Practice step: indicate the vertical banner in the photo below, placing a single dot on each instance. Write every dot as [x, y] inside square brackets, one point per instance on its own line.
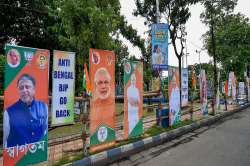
[193, 78]
[241, 88]
[25, 126]
[230, 79]
[232, 85]
[226, 88]
[184, 87]
[159, 46]
[63, 90]
[248, 88]
[210, 87]
[102, 103]
[203, 93]
[174, 95]
[218, 94]
[133, 98]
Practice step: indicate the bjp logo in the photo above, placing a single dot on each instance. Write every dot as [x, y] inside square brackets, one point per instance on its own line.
[42, 61]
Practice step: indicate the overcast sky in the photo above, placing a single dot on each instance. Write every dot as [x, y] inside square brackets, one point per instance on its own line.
[195, 29]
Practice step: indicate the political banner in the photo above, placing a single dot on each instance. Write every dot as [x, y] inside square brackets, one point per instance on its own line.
[226, 87]
[241, 88]
[218, 94]
[184, 87]
[248, 89]
[193, 78]
[25, 126]
[63, 88]
[174, 96]
[203, 92]
[210, 87]
[159, 46]
[102, 103]
[133, 98]
[232, 85]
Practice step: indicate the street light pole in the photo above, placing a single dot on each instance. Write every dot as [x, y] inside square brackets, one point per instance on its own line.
[157, 11]
[187, 54]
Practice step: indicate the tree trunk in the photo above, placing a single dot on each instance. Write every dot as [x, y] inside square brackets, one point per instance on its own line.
[179, 60]
[215, 68]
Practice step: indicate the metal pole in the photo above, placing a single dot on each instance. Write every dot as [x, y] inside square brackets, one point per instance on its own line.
[200, 59]
[186, 49]
[182, 61]
[157, 11]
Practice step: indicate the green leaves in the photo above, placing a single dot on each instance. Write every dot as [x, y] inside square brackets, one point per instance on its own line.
[232, 43]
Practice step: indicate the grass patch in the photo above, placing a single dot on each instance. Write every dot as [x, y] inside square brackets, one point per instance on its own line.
[153, 131]
[156, 130]
[67, 158]
[65, 130]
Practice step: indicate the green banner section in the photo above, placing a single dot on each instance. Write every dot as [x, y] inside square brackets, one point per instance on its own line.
[128, 70]
[138, 130]
[39, 153]
[102, 134]
[17, 57]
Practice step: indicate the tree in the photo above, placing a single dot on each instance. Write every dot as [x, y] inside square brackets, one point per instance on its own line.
[232, 43]
[71, 25]
[176, 13]
[214, 10]
[26, 22]
[93, 24]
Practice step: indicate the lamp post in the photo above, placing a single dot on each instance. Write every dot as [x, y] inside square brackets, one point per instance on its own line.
[187, 54]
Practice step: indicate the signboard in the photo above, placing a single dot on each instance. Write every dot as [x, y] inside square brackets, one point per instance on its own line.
[159, 46]
[248, 89]
[133, 98]
[218, 94]
[203, 92]
[184, 87]
[63, 91]
[102, 103]
[232, 85]
[25, 125]
[241, 88]
[210, 88]
[174, 96]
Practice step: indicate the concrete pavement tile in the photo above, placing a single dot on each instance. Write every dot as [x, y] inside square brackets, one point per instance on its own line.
[135, 157]
[145, 153]
[125, 163]
[114, 164]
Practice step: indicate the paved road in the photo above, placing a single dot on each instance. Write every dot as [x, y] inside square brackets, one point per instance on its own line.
[226, 143]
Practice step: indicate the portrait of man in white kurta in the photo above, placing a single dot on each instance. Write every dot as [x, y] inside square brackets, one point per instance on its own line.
[133, 103]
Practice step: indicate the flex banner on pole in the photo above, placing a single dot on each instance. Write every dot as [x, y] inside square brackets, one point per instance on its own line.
[218, 94]
[25, 126]
[241, 88]
[133, 98]
[63, 88]
[232, 85]
[184, 87]
[248, 89]
[159, 46]
[203, 93]
[102, 103]
[174, 96]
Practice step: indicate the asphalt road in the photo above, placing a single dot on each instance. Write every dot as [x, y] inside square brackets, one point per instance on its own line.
[226, 143]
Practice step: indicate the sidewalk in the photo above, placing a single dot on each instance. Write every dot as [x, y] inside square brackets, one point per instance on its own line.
[115, 154]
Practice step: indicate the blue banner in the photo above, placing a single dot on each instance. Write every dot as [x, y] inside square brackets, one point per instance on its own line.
[159, 46]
